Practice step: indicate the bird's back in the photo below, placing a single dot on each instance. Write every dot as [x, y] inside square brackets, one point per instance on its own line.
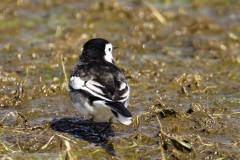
[105, 76]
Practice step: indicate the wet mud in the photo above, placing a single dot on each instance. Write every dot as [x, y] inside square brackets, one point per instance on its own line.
[181, 59]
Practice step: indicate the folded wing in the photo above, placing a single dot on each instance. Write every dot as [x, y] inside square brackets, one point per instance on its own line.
[114, 90]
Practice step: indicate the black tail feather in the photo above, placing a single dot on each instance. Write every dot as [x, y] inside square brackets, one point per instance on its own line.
[118, 107]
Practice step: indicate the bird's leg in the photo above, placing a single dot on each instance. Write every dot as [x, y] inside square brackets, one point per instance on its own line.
[107, 126]
[94, 125]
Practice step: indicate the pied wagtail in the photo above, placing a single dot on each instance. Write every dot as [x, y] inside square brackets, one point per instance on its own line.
[99, 89]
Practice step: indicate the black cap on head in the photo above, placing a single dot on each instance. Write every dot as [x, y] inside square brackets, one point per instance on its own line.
[97, 42]
[94, 49]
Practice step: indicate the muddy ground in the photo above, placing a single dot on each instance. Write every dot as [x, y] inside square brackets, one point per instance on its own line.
[181, 59]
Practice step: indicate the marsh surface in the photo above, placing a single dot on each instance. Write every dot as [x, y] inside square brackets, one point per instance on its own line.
[184, 75]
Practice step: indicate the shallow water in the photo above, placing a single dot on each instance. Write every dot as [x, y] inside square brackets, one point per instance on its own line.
[184, 72]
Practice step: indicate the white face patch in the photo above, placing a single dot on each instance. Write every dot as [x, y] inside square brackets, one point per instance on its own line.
[108, 53]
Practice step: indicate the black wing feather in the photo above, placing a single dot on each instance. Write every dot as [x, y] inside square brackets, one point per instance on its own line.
[107, 75]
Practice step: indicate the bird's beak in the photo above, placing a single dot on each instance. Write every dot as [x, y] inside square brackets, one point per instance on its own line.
[114, 47]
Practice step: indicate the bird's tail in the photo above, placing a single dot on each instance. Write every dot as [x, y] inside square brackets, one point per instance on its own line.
[120, 112]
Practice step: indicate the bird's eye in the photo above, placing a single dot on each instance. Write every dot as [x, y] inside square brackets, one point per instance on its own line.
[109, 49]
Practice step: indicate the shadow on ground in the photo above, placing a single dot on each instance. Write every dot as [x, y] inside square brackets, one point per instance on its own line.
[83, 129]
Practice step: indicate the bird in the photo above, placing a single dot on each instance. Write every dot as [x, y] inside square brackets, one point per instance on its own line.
[98, 89]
